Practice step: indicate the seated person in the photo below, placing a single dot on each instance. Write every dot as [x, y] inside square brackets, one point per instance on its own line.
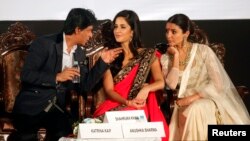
[124, 83]
[47, 76]
[206, 94]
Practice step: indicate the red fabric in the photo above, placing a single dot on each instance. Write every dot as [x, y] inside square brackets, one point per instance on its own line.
[155, 113]
[152, 109]
[121, 88]
[158, 54]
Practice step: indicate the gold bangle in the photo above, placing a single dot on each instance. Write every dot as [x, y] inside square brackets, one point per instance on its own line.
[127, 102]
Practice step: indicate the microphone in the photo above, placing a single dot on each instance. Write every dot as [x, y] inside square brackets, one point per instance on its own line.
[76, 64]
[80, 56]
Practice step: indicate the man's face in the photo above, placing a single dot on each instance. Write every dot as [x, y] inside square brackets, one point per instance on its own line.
[83, 35]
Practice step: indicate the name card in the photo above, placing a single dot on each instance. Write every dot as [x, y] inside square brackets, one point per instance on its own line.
[143, 130]
[130, 116]
[99, 130]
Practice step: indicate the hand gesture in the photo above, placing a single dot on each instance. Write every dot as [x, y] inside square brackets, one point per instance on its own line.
[109, 55]
[172, 50]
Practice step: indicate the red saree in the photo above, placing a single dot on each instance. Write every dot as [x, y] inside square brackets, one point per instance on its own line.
[124, 86]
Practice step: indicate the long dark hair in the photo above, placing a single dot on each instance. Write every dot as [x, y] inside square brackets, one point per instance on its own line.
[196, 34]
[133, 21]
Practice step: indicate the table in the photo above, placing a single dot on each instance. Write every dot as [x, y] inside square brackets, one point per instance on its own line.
[123, 139]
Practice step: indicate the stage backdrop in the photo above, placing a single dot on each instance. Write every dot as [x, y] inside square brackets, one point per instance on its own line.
[148, 10]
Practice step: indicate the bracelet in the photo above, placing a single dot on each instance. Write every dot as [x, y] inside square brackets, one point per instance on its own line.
[127, 102]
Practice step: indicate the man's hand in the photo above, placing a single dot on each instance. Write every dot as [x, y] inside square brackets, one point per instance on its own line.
[109, 55]
[67, 74]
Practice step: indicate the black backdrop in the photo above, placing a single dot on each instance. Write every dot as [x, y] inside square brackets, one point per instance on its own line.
[233, 33]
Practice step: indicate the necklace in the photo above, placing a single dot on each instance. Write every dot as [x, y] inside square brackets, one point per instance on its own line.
[185, 61]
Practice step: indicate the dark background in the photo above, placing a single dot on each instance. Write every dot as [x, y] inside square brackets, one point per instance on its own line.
[234, 34]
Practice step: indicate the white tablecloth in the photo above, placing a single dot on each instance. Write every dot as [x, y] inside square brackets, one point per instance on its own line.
[134, 139]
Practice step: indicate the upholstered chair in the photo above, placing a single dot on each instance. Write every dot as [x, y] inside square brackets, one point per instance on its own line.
[14, 44]
[102, 37]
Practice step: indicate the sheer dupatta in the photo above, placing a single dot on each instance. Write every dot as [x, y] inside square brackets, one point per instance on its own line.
[207, 77]
[220, 89]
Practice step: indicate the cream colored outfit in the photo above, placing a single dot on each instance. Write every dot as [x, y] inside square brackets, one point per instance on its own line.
[204, 74]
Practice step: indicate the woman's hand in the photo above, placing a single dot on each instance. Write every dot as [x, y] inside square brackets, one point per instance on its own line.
[187, 100]
[143, 94]
[135, 103]
[173, 51]
[183, 101]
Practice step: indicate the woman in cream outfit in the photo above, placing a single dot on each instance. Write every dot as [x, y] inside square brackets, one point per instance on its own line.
[206, 94]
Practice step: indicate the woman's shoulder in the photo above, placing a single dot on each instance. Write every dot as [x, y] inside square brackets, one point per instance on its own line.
[145, 50]
[164, 56]
[164, 60]
[204, 50]
[158, 53]
[202, 47]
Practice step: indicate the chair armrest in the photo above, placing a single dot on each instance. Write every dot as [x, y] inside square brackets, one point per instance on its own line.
[243, 91]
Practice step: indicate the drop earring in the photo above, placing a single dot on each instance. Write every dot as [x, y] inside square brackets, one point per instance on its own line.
[131, 37]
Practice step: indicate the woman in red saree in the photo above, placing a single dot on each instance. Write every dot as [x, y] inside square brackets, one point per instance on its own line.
[125, 83]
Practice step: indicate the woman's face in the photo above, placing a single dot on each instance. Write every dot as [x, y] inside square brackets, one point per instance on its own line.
[122, 31]
[175, 35]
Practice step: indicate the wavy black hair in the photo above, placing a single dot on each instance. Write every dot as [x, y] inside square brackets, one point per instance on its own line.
[78, 17]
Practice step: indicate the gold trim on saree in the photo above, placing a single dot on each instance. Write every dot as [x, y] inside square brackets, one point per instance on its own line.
[145, 59]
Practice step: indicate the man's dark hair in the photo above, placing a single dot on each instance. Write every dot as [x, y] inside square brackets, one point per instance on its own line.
[78, 17]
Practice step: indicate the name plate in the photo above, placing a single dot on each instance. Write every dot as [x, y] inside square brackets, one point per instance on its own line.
[130, 116]
[99, 130]
[143, 130]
